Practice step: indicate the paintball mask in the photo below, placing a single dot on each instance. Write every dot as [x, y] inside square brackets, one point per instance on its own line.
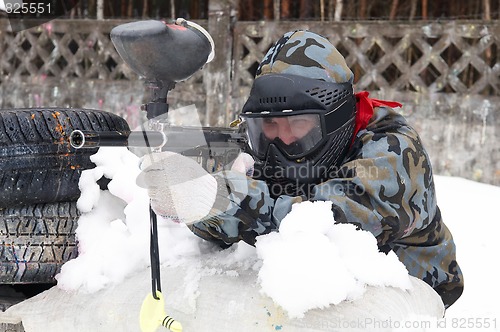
[299, 129]
[300, 115]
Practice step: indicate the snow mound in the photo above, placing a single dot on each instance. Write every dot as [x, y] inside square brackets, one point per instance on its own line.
[310, 263]
[313, 263]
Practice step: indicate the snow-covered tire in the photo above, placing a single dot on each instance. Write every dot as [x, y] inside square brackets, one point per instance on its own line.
[35, 240]
[38, 165]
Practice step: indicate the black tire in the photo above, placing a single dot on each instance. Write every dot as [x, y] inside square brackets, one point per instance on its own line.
[38, 165]
[36, 240]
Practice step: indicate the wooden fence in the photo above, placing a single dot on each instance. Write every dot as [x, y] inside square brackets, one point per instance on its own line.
[447, 74]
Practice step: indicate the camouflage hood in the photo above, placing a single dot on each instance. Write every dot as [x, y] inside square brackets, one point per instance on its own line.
[306, 54]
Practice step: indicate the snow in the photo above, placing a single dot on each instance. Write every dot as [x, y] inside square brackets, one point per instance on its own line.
[332, 263]
[113, 235]
[471, 211]
[310, 264]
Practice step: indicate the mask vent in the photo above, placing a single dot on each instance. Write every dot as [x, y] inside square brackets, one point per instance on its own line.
[340, 141]
[272, 100]
[326, 96]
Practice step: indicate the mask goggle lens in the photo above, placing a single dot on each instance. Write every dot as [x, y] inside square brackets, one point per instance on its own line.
[294, 135]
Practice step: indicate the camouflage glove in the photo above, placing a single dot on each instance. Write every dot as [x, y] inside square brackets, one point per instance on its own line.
[179, 188]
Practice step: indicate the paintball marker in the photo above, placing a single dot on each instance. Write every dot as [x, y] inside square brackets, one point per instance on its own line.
[165, 54]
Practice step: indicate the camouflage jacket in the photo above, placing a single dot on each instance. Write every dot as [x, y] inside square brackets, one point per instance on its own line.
[384, 186]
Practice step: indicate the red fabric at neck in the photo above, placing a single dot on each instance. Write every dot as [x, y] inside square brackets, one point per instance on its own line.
[364, 109]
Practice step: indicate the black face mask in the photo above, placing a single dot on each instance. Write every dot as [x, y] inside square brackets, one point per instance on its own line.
[283, 95]
[293, 149]
[298, 177]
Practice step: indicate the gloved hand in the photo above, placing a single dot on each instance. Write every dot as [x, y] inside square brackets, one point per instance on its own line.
[179, 188]
[244, 164]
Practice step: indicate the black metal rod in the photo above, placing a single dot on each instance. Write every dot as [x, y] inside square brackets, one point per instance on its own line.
[154, 255]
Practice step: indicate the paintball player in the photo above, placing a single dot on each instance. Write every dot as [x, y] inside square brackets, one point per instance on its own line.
[312, 138]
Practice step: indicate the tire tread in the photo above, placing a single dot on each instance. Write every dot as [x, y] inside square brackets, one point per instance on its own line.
[36, 240]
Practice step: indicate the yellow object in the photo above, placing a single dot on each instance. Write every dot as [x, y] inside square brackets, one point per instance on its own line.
[153, 315]
[235, 123]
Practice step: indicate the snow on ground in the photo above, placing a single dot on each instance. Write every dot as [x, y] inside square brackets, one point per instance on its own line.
[472, 213]
[114, 243]
[324, 263]
[331, 263]
[311, 256]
